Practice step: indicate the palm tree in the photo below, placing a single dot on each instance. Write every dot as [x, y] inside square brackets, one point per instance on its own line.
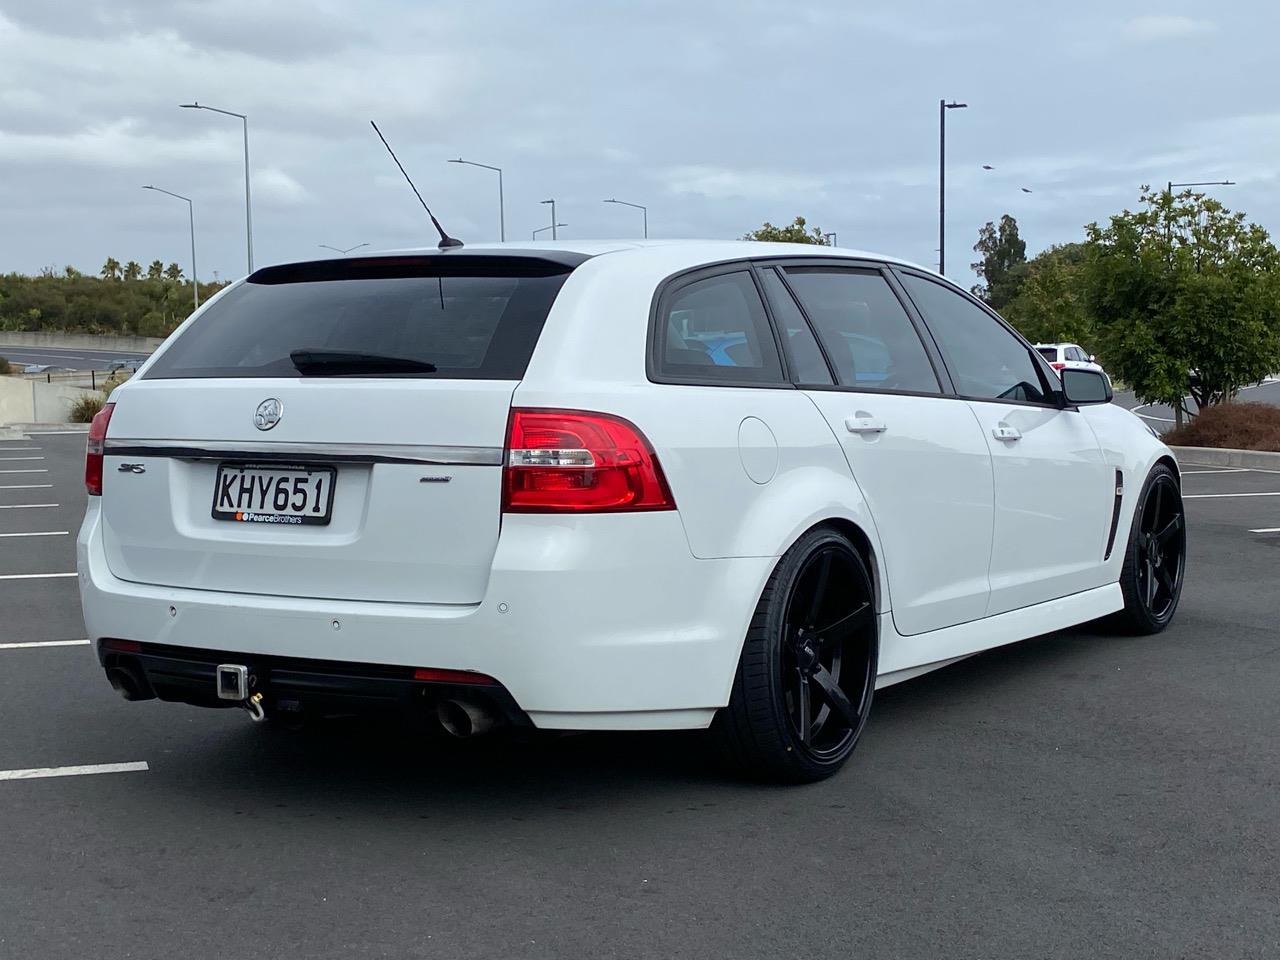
[156, 270]
[133, 270]
[173, 272]
[111, 269]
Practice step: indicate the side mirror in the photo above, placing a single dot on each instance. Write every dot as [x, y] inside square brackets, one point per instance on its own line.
[1092, 358]
[1082, 387]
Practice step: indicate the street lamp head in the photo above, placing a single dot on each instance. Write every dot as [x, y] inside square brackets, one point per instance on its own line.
[459, 160]
[987, 166]
[546, 201]
[1026, 190]
[191, 106]
[956, 106]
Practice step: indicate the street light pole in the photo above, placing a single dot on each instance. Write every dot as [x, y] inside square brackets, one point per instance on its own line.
[830, 238]
[248, 206]
[502, 215]
[553, 218]
[643, 209]
[191, 217]
[943, 107]
[544, 230]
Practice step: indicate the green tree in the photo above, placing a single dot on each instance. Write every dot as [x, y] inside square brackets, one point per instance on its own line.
[111, 269]
[1004, 256]
[796, 232]
[1051, 305]
[173, 272]
[156, 270]
[1186, 297]
[133, 270]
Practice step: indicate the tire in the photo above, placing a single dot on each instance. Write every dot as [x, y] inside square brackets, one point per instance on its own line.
[1155, 559]
[808, 664]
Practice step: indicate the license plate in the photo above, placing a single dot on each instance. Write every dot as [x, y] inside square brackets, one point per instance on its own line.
[269, 493]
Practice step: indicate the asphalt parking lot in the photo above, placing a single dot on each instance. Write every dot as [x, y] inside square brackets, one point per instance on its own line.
[1080, 795]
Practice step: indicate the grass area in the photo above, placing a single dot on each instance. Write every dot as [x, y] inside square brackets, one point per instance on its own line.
[1239, 426]
[87, 407]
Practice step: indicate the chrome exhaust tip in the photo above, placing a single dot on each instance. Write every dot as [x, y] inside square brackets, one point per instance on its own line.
[463, 718]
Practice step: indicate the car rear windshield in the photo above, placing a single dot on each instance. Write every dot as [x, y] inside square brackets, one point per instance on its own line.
[469, 317]
[1049, 353]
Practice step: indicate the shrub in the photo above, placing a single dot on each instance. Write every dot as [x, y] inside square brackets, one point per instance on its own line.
[87, 407]
[4, 367]
[1239, 426]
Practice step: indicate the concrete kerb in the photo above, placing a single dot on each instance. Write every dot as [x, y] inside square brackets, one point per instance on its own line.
[1226, 457]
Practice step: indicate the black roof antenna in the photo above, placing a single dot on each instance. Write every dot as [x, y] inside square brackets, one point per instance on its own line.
[446, 241]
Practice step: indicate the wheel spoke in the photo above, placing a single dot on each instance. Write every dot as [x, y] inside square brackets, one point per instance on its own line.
[842, 628]
[820, 588]
[1166, 578]
[1169, 529]
[803, 708]
[1155, 514]
[835, 697]
[1151, 583]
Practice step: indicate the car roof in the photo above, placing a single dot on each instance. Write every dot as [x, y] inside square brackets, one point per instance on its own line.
[695, 252]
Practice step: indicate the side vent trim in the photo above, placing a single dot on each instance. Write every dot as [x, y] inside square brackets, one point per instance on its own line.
[1115, 516]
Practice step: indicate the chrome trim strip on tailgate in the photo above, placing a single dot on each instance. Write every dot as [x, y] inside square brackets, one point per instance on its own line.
[293, 452]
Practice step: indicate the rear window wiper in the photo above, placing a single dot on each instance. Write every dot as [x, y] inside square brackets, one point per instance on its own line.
[335, 363]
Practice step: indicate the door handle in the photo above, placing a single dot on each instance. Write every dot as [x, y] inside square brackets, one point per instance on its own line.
[1002, 431]
[864, 424]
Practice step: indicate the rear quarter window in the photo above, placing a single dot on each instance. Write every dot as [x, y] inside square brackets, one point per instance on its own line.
[472, 318]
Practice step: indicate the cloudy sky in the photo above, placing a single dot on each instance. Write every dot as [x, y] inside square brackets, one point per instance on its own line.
[717, 114]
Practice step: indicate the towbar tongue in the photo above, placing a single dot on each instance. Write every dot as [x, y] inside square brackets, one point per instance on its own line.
[233, 682]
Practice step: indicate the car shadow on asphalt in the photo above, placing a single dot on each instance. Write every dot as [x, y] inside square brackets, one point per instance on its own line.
[383, 763]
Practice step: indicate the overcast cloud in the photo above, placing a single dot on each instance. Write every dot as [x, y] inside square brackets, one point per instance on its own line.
[718, 115]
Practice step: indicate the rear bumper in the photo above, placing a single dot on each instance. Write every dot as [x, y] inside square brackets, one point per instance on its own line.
[601, 622]
[303, 687]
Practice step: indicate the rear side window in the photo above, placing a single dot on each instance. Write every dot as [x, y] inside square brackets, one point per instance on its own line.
[987, 361]
[807, 364]
[1049, 353]
[471, 318]
[870, 339]
[715, 330]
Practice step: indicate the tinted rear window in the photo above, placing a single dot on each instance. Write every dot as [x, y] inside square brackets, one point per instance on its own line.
[1049, 353]
[474, 318]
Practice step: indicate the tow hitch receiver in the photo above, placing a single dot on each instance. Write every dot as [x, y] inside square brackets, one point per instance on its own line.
[233, 681]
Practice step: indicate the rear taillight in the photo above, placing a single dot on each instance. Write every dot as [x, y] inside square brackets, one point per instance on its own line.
[570, 461]
[93, 450]
[1058, 366]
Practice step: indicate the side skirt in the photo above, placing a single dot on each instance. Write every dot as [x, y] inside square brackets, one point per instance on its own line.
[902, 658]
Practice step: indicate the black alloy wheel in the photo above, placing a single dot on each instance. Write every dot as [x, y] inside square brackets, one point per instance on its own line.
[806, 678]
[1155, 563]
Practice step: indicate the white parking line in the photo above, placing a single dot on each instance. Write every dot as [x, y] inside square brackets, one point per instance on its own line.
[29, 644]
[1217, 496]
[27, 470]
[38, 533]
[35, 773]
[1187, 473]
[17, 449]
[26, 486]
[1267, 530]
[21, 458]
[34, 576]
[26, 506]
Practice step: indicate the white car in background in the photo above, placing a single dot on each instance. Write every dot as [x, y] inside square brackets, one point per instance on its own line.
[608, 486]
[1068, 356]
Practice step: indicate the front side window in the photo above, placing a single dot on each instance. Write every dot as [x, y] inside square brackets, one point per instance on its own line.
[715, 329]
[867, 334]
[987, 361]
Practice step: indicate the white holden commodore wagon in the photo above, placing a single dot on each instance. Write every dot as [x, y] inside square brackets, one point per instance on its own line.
[609, 486]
